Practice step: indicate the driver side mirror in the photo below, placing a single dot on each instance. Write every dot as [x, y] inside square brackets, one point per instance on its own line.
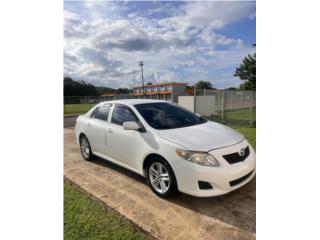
[131, 126]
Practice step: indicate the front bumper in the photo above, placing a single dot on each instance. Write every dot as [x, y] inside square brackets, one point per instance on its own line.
[223, 179]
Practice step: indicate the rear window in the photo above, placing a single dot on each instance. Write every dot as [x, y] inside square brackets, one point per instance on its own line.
[101, 113]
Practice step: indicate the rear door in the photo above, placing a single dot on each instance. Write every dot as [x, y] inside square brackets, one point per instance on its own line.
[97, 128]
[124, 145]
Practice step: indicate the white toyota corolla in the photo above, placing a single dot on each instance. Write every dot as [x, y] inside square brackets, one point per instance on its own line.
[175, 149]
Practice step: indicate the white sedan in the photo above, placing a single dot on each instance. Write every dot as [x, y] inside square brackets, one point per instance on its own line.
[175, 149]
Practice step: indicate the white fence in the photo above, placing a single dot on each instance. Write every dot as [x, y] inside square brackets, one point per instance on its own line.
[204, 105]
[230, 107]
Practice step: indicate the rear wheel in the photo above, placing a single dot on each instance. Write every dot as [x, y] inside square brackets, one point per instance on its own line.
[161, 178]
[85, 148]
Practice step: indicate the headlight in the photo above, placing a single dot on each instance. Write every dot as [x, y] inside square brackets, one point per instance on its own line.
[201, 158]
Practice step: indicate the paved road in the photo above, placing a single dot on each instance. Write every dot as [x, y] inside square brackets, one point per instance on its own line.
[69, 121]
[185, 217]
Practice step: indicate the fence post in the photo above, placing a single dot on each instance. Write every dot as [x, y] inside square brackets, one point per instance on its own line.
[251, 110]
[222, 110]
[204, 92]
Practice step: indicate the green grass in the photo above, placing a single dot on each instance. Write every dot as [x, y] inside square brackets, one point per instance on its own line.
[249, 133]
[70, 109]
[85, 218]
[241, 114]
[239, 120]
[238, 117]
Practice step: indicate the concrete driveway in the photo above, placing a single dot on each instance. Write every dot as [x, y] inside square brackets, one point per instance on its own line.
[232, 216]
[69, 121]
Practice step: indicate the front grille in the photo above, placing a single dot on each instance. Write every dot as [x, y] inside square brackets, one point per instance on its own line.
[239, 180]
[235, 157]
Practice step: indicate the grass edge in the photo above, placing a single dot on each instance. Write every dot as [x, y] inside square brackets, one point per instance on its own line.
[106, 207]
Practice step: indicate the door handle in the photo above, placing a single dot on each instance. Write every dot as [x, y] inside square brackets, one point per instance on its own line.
[110, 130]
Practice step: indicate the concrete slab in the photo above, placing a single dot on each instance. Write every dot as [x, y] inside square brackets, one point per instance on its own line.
[226, 217]
[69, 121]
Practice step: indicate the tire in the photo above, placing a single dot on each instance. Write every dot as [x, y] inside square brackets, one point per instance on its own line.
[161, 178]
[85, 148]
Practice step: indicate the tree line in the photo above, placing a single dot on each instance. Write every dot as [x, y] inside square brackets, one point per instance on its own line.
[82, 88]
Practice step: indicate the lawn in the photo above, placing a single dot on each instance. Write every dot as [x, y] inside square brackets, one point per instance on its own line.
[236, 118]
[85, 218]
[240, 114]
[249, 133]
[239, 120]
[70, 109]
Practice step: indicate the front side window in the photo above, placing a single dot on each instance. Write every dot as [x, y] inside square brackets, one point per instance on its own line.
[101, 113]
[122, 114]
[167, 116]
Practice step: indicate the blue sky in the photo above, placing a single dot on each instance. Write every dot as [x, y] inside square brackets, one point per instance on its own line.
[178, 41]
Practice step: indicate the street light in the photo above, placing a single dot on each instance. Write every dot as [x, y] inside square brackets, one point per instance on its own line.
[141, 65]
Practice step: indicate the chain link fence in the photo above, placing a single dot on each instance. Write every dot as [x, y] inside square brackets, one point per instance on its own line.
[237, 108]
[227, 107]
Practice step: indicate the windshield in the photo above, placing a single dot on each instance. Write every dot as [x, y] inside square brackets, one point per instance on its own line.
[167, 116]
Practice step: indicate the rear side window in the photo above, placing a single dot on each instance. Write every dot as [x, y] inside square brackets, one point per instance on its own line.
[123, 114]
[101, 113]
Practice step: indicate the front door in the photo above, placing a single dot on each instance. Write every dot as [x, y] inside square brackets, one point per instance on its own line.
[124, 145]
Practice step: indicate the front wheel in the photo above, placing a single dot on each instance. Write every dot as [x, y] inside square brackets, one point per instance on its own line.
[161, 178]
[85, 148]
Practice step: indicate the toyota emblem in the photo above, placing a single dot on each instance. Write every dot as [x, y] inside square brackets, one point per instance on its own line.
[242, 152]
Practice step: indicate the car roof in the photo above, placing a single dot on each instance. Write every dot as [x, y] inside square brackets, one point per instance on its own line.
[133, 101]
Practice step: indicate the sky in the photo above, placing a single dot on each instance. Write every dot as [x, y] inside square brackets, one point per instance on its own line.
[177, 41]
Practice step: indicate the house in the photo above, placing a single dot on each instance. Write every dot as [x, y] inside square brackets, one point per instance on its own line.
[166, 91]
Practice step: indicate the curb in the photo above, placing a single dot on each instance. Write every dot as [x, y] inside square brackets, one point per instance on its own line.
[71, 116]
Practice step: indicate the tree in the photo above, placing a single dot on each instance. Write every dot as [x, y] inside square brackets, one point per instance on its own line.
[204, 85]
[231, 89]
[247, 73]
[122, 91]
[81, 88]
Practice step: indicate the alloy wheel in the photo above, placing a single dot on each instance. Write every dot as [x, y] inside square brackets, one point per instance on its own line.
[159, 177]
[85, 148]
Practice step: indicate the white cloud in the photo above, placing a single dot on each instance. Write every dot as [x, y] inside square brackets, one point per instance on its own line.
[216, 14]
[104, 41]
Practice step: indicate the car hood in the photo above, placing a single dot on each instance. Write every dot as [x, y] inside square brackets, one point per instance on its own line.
[202, 137]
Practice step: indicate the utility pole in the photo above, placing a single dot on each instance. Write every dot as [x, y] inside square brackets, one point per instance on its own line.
[141, 65]
[194, 98]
